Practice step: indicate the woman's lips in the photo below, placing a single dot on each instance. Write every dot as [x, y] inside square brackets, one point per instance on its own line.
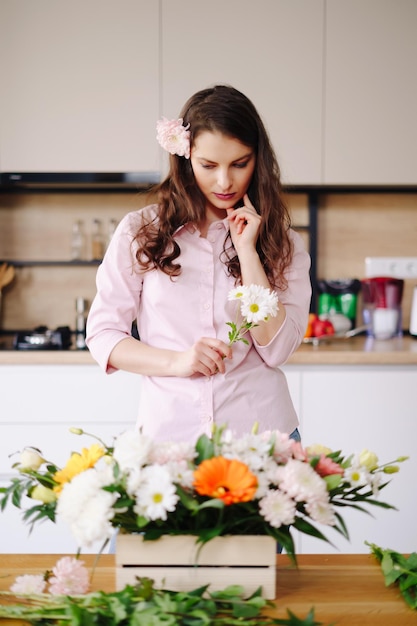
[225, 196]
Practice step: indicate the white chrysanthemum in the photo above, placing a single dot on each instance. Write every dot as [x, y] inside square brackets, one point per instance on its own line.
[28, 584]
[181, 473]
[156, 494]
[167, 451]
[133, 481]
[258, 304]
[131, 450]
[277, 508]
[251, 449]
[263, 485]
[301, 482]
[321, 511]
[87, 508]
[357, 476]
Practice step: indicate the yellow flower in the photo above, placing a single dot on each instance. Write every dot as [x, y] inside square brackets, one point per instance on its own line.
[317, 449]
[77, 463]
[229, 480]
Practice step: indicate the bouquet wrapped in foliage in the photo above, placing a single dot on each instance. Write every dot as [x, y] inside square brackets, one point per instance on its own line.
[261, 483]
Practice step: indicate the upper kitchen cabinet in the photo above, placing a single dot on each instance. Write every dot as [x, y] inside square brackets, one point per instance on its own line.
[371, 92]
[79, 86]
[272, 50]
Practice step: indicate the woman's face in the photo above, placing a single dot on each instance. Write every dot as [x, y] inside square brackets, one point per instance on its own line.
[223, 169]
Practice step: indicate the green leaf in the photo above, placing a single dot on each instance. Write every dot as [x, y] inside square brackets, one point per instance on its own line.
[204, 448]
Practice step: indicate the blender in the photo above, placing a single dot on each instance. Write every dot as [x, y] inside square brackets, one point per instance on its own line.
[381, 302]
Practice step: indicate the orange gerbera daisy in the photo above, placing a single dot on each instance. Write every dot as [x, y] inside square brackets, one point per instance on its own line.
[229, 480]
[77, 463]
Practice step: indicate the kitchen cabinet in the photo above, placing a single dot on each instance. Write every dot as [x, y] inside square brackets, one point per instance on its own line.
[270, 50]
[80, 86]
[39, 405]
[350, 408]
[370, 134]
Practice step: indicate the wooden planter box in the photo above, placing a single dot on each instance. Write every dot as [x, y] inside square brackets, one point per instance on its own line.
[174, 562]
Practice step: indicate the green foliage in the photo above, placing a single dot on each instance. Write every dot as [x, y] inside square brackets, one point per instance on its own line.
[143, 605]
[400, 570]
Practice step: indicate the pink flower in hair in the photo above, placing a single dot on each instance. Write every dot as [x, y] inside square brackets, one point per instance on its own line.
[173, 136]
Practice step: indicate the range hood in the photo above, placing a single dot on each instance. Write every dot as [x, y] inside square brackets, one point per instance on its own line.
[104, 180]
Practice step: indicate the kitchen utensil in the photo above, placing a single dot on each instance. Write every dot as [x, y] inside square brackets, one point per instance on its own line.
[315, 341]
[381, 299]
[7, 274]
[338, 297]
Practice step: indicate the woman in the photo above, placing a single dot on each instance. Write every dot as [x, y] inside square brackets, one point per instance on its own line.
[220, 221]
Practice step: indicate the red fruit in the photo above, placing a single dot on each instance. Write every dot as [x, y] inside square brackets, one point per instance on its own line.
[322, 327]
[309, 330]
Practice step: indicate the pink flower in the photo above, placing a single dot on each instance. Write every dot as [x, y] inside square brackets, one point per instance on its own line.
[173, 136]
[29, 584]
[298, 451]
[70, 577]
[327, 467]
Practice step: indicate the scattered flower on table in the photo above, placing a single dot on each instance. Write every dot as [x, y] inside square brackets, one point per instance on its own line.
[69, 576]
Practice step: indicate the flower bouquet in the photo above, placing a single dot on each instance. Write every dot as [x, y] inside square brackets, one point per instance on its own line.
[259, 484]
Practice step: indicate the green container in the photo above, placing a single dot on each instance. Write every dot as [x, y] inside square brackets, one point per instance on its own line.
[339, 296]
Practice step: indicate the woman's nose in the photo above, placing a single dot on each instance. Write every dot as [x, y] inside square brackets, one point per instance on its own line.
[224, 179]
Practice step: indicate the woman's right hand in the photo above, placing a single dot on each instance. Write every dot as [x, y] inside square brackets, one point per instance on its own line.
[205, 357]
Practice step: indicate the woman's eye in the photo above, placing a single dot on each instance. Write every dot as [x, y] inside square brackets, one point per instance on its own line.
[241, 165]
[207, 167]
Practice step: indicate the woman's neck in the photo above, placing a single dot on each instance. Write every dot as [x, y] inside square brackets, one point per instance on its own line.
[212, 215]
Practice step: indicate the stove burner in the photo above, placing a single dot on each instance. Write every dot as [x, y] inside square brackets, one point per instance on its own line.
[42, 338]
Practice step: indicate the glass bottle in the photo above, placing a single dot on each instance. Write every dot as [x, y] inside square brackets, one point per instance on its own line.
[80, 323]
[77, 242]
[97, 242]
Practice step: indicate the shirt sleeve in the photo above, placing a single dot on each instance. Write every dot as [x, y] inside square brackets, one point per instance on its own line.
[116, 303]
[296, 299]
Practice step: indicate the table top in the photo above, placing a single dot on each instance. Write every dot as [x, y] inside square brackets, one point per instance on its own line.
[345, 590]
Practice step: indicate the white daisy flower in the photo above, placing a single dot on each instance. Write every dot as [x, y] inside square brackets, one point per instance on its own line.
[156, 495]
[237, 293]
[258, 304]
[357, 476]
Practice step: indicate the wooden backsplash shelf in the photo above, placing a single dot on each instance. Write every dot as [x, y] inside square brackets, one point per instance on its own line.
[341, 226]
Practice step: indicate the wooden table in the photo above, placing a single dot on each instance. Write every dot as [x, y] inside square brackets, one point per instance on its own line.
[344, 589]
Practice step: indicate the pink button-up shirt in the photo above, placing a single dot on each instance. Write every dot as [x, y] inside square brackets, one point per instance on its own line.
[173, 314]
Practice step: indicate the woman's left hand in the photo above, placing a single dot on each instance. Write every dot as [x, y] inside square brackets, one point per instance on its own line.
[245, 223]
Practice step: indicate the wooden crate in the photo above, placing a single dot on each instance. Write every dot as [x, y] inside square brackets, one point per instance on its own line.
[178, 563]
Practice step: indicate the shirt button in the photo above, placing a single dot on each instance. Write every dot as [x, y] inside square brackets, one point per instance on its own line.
[207, 306]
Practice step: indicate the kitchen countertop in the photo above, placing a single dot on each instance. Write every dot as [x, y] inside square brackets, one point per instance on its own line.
[344, 589]
[358, 350]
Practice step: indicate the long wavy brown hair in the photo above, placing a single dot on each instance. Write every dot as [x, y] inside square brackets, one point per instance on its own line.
[225, 110]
